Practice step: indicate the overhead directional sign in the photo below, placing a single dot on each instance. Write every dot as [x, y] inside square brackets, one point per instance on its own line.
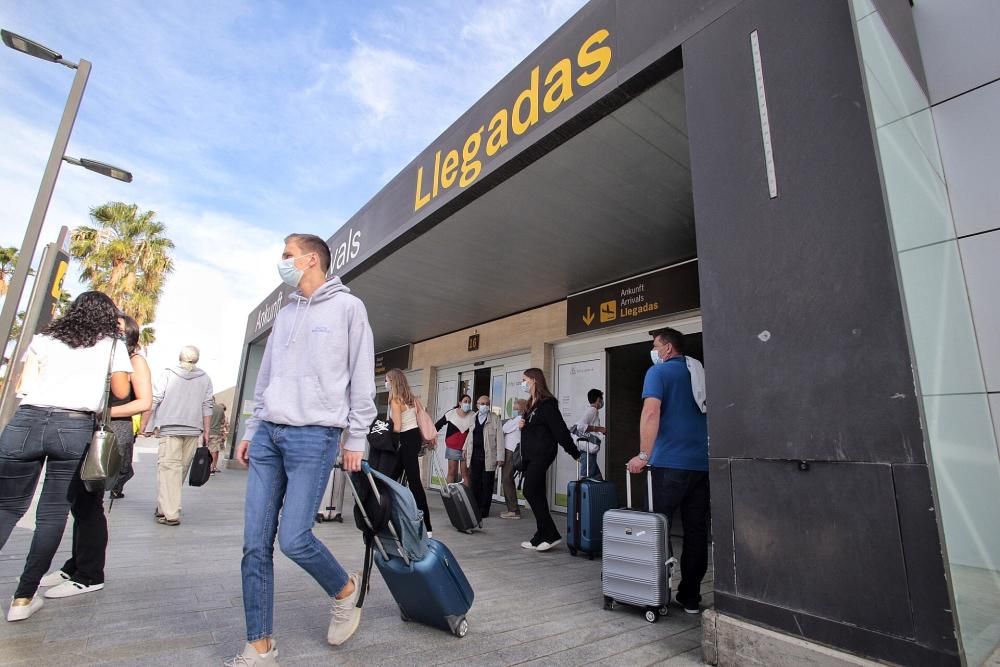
[655, 294]
[397, 357]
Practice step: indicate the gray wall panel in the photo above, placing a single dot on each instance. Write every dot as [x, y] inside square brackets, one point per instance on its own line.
[817, 554]
[723, 555]
[802, 314]
[898, 17]
[933, 618]
[803, 323]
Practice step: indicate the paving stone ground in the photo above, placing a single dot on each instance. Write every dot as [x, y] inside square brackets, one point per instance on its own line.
[173, 597]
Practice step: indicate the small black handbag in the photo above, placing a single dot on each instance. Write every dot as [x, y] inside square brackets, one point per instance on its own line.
[201, 467]
[516, 460]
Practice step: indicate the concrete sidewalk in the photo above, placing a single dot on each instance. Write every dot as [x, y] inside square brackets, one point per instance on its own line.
[173, 597]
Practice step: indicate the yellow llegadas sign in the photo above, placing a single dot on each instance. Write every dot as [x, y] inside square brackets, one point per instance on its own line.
[592, 61]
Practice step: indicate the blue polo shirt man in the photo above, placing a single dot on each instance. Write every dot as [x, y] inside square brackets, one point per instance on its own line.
[673, 441]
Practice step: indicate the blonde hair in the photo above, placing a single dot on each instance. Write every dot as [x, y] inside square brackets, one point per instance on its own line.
[399, 388]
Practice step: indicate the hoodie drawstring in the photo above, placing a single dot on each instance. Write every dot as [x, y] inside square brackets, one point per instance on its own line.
[296, 323]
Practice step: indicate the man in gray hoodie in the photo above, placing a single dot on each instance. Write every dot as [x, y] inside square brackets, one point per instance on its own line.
[317, 378]
[181, 417]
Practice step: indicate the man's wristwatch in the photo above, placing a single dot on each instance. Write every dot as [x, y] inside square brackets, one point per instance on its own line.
[643, 456]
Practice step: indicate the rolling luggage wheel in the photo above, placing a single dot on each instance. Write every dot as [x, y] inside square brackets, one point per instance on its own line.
[572, 551]
[402, 615]
[651, 615]
[319, 518]
[608, 603]
[462, 629]
[663, 611]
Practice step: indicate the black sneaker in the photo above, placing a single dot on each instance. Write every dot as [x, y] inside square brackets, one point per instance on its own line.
[688, 608]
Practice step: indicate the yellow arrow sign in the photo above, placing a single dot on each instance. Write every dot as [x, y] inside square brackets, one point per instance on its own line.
[589, 317]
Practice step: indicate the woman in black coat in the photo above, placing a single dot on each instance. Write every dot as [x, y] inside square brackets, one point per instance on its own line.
[542, 429]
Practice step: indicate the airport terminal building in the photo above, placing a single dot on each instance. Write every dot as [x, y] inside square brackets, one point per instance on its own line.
[804, 188]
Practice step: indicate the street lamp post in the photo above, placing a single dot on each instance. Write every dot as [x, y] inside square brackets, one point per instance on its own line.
[56, 157]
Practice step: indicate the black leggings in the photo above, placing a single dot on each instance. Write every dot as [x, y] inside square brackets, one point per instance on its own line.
[408, 461]
[536, 495]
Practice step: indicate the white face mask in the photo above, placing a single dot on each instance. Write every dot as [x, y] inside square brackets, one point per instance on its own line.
[525, 387]
[466, 407]
[655, 356]
[483, 409]
[288, 272]
[387, 387]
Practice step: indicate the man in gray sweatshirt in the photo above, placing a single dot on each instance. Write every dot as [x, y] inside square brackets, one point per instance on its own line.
[181, 416]
[317, 378]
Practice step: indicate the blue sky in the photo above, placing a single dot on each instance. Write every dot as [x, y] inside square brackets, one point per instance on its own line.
[242, 122]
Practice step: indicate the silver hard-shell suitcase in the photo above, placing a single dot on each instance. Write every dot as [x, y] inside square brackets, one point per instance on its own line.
[636, 568]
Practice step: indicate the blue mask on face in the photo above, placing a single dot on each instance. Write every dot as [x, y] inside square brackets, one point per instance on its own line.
[289, 273]
[466, 407]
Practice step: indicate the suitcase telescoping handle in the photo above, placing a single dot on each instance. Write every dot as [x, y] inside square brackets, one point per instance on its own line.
[649, 488]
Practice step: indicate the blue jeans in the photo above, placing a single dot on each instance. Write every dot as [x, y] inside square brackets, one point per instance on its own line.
[589, 465]
[289, 468]
[58, 439]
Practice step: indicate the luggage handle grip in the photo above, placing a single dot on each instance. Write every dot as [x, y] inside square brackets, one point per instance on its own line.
[649, 487]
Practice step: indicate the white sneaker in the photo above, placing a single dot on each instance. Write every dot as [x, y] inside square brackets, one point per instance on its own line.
[22, 608]
[53, 579]
[68, 589]
[528, 545]
[345, 615]
[430, 534]
[545, 546]
[250, 657]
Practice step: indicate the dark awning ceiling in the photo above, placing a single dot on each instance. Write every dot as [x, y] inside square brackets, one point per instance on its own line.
[613, 201]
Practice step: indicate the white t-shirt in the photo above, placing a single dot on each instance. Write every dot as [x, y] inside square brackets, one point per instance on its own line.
[591, 417]
[59, 376]
[511, 433]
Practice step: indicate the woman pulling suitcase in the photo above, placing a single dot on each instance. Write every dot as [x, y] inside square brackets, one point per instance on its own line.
[542, 428]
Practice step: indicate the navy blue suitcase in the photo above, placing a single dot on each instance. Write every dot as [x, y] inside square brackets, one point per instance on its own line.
[588, 500]
[432, 591]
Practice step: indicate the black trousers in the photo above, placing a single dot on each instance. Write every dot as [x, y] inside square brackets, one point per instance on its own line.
[482, 482]
[408, 461]
[90, 535]
[688, 490]
[537, 497]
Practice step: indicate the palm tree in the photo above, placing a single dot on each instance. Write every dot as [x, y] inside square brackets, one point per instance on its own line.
[126, 256]
[8, 260]
[147, 336]
[62, 304]
[15, 329]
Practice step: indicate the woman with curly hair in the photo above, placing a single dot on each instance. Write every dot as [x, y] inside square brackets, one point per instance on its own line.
[84, 571]
[62, 388]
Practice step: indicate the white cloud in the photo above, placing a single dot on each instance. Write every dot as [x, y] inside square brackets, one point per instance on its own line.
[225, 268]
[243, 122]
